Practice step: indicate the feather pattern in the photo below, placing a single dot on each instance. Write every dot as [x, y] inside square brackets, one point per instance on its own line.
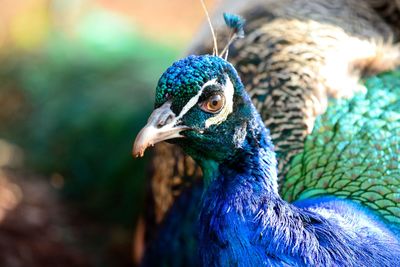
[287, 43]
[243, 219]
[354, 151]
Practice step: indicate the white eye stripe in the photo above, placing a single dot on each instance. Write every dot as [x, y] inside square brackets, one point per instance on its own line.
[223, 114]
[193, 101]
[227, 109]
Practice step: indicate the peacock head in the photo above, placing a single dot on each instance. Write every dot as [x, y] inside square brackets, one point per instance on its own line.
[201, 105]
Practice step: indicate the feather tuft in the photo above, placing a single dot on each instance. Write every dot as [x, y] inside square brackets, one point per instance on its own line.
[236, 23]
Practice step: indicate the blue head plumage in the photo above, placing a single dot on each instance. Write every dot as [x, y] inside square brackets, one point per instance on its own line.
[206, 95]
[197, 94]
[186, 76]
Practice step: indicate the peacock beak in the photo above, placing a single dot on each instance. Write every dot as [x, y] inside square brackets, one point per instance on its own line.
[161, 126]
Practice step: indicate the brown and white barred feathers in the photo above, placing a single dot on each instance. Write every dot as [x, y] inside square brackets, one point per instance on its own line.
[297, 57]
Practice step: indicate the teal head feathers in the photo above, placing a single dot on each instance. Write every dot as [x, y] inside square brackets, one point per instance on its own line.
[194, 98]
[200, 104]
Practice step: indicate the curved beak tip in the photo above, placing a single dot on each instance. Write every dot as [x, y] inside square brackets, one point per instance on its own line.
[138, 151]
[157, 129]
[139, 147]
[138, 154]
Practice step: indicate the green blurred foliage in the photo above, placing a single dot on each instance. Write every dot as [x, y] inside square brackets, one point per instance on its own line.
[75, 106]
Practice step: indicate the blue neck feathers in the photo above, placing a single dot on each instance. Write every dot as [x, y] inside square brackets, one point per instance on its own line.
[244, 221]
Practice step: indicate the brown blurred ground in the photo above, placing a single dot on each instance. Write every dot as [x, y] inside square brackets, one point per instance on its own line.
[33, 227]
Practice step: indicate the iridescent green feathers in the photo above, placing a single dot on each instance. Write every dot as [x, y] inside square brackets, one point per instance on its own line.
[354, 151]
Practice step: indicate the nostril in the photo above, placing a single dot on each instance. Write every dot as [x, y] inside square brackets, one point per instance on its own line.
[165, 120]
[160, 124]
[170, 118]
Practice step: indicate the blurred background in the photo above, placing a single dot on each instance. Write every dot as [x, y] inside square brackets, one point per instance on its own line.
[77, 80]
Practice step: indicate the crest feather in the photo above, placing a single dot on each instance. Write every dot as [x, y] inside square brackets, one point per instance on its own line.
[236, 23]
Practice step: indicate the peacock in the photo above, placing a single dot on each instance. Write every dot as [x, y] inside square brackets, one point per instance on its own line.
[300, 62]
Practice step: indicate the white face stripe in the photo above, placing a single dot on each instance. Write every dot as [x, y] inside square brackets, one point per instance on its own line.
[222, 115]
[193, 101]
[228, 107]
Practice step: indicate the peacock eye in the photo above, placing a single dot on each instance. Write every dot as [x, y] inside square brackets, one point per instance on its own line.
[213, 104]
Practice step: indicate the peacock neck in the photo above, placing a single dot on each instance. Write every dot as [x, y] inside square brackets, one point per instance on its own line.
[236, 191]
[242, 213]
[253, 163]
[244, 222]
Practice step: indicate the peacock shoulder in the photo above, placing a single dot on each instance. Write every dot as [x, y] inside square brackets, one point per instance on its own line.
[354, 151]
